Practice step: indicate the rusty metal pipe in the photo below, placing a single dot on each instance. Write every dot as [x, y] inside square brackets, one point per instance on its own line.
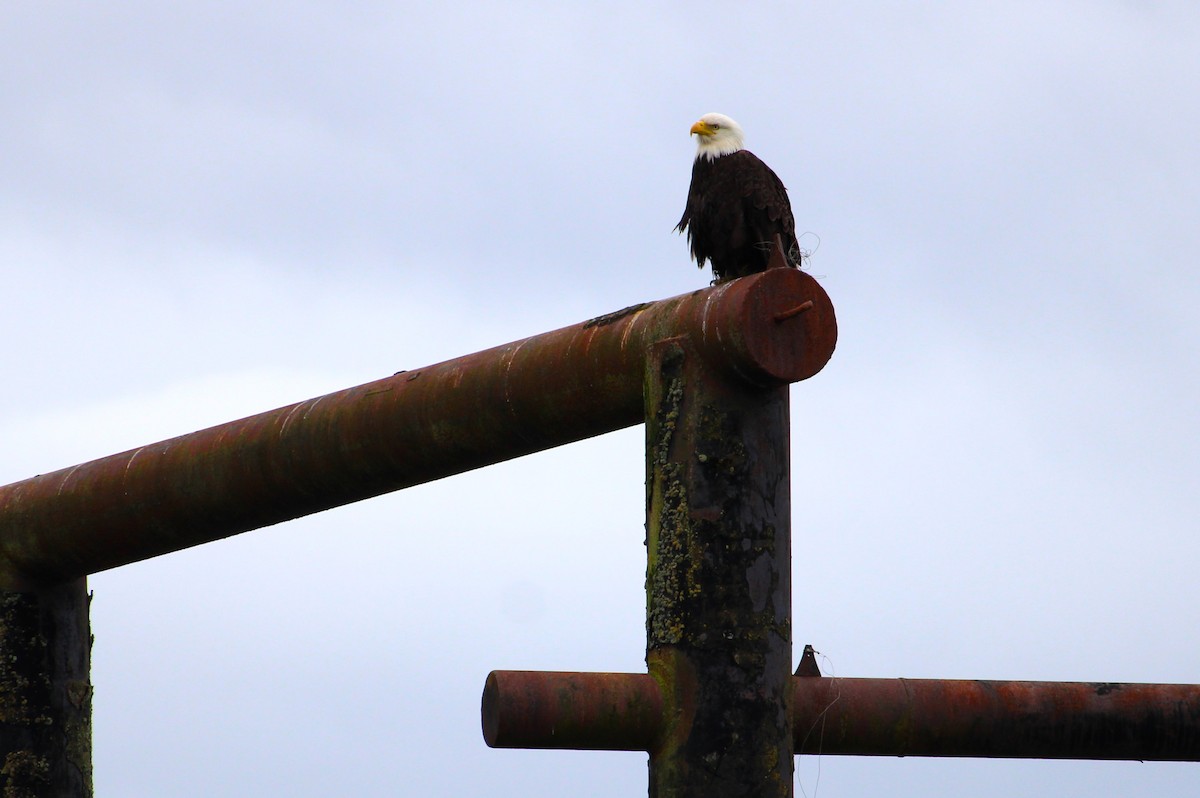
[874, 717]
[972, 718]
[598, 711]
[414, 427]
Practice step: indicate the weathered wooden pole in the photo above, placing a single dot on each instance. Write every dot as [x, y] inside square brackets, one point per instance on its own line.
[45, 692]
[718, 627]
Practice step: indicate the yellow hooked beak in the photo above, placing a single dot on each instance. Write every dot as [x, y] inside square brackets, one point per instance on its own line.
[702, 128]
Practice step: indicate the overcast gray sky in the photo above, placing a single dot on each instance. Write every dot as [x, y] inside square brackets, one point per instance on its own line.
[212, 209]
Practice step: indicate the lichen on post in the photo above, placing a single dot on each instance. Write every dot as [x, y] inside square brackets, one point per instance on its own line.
[45, 691]
[718, 583]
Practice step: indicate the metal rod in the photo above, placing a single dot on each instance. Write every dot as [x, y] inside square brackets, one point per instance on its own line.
[780, 318]
[1039, 720]
[718, 581]
[604, 711]
[889, 717]
[414, 427]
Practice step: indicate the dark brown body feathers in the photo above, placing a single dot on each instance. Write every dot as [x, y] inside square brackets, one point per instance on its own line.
[735, 207]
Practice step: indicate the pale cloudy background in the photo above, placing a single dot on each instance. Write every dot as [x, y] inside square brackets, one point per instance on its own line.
[213, 209]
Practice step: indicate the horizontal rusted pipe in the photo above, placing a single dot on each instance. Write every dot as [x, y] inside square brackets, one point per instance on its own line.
[601, 711]
[1042, 720]
[873, 717]
[410, 428]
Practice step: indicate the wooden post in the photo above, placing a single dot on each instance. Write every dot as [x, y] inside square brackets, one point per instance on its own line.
[718, 614]
[45, 692]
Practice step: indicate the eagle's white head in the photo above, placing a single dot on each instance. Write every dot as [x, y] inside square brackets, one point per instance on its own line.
[717, 135]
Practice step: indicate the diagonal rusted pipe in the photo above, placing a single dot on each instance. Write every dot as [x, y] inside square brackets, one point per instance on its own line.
[413, 427]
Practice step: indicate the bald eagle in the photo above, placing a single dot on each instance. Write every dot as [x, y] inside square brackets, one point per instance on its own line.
[736, 205]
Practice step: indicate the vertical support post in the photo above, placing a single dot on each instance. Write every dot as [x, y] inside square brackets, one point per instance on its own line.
[45, 692]
[718, 584]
